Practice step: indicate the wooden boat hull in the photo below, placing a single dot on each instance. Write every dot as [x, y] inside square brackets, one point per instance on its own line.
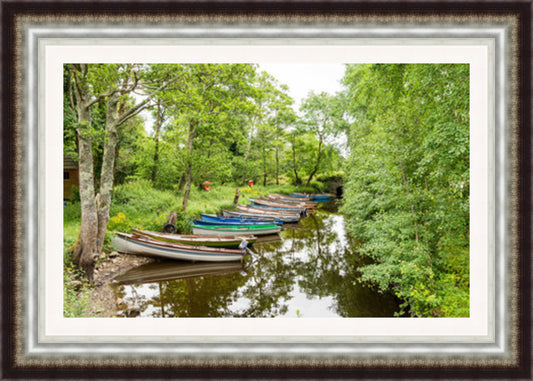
[131, 244]
[269, 212]
[312, 197]
[290, 201]
[228, 242]
[302, 212]
[301, 195]
[237, 214]
[272, 205]
[233, 223]
[320, 197]
[239, 220]
[225, 230]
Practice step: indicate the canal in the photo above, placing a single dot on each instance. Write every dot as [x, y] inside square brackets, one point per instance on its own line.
[310, 270]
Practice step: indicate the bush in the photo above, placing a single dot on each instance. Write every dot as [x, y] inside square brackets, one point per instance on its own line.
[75, 195]
[72, 212]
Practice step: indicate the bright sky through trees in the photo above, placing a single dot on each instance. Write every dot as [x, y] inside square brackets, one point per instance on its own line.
[303, 78]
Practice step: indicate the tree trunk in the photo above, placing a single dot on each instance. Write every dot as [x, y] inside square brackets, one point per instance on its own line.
[317, 163]
[264, 166]
[188, 168]
[181, 183]
[108, 164]
[236, 198]
[158, 123]
[277, 166]
[188, 182]
[248, 151]
[86, 249]
[296, 177]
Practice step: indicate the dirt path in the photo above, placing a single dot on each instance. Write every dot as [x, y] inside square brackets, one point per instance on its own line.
[112, 265]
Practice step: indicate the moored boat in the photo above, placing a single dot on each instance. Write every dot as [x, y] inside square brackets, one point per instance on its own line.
[239, 220]
[232, 223]
[301, 195]
[291, 202]
[228, 242]
[236, 230]
[320, 197]
[269, 212]
[273, 205]
[140, 245]
[273, 217]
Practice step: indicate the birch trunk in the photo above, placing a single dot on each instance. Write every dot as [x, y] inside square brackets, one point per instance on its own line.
[107, 174]
[157, 127]
[86, 250]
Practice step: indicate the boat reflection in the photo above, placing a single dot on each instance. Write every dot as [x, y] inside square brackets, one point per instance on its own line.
[172, 270]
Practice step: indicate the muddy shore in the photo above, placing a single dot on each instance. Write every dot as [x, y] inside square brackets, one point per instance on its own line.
[110, 266]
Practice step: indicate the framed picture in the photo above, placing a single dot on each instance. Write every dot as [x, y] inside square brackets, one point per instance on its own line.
[491, 340]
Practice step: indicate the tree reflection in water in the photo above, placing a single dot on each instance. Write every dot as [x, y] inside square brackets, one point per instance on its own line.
[311, 271]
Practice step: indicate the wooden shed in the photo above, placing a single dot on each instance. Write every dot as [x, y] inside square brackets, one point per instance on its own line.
[70, 177]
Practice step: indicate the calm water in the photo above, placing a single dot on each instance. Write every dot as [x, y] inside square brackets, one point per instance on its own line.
[310, 270]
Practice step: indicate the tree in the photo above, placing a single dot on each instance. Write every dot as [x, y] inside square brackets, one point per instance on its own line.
[271, 113]
[320, 117]
[92, 84]
[206, 109]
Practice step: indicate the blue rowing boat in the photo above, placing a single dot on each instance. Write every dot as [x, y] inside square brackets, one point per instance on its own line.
[233, 223]
[244, 211]
[320, 197]
[238, 220]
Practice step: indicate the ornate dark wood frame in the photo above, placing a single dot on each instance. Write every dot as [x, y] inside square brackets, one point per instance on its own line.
[13, 368]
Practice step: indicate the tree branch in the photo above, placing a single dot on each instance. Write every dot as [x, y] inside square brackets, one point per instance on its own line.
[141, 106]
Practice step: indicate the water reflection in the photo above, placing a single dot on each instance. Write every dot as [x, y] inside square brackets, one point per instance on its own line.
[307, 271]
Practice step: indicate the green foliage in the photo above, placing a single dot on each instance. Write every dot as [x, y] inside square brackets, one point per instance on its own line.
[75, 194]
[406, 191]
[77, 299]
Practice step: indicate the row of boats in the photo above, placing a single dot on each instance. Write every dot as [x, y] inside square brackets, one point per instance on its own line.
[222, 238]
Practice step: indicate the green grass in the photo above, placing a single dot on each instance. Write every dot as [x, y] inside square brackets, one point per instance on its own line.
[138, 205]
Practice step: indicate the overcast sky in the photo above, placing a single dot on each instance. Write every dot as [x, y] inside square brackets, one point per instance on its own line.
[302, 79]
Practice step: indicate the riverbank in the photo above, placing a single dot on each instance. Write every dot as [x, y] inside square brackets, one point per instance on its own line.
[103, 294]
[136, 205]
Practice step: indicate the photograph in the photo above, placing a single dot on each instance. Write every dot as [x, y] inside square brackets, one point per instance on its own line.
[266, 190]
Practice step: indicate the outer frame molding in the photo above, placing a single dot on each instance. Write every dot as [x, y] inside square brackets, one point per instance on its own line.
[503, 356]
